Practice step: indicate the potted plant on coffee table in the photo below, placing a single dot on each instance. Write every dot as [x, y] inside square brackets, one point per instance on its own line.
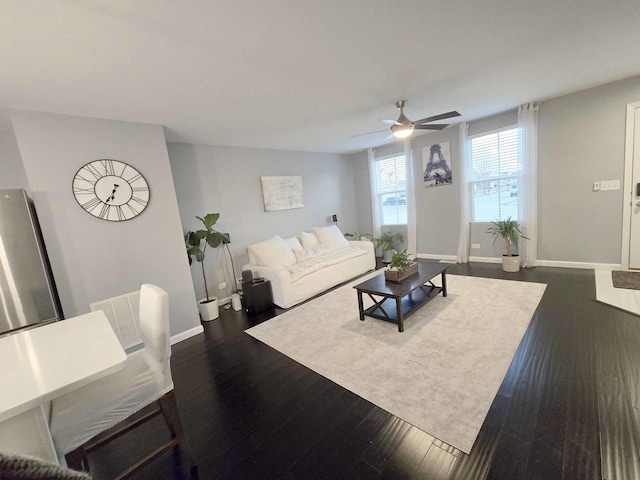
[509, 231]
[197, 242]
[387, 242]
[400, 267]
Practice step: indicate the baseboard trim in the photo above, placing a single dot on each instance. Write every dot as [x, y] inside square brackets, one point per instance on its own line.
[431, 256]
[541, 263]
[187, 334]
[583, 265]
[485, 259]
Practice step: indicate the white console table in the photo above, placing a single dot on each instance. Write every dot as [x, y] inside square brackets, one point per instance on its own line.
[42, 363]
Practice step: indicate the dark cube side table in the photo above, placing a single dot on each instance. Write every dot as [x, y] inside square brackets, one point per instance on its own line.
[258, 296]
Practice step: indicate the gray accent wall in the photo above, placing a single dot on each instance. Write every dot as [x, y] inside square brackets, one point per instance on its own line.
[581, 140]
[437, 208]
[93, 259]
[226, 180]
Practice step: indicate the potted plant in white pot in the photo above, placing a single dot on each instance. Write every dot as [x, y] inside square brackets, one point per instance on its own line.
[208, 306]
[387, 242]
[509, 231]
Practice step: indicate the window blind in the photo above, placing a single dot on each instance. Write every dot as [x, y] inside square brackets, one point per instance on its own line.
[495, 165]
[391, 175]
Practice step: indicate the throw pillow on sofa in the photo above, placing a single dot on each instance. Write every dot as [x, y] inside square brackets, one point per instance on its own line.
[331, 235]
[293, 243]
[273, 252]
[308, 240]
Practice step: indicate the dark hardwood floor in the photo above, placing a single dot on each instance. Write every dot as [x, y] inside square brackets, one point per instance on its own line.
[568, 408]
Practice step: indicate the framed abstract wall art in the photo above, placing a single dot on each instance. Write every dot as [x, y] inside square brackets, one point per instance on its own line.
[282, 193]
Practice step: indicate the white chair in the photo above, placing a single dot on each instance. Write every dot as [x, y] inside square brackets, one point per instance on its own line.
[78, 417]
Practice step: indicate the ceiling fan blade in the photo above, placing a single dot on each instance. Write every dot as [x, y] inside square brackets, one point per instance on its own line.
[442, 116]
[390, 122]
[369, 133]
[433, 126]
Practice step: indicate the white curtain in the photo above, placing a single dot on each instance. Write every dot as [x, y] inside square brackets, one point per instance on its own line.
[412, 237]
[528, 184]
[376, 220]
[465, 151]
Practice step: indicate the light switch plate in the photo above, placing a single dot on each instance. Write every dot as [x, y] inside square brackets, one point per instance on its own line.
[610, 185]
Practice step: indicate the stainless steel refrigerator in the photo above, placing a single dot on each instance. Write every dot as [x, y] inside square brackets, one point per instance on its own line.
[28, 296]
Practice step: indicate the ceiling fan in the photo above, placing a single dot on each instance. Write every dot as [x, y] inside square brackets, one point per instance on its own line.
[403, 127]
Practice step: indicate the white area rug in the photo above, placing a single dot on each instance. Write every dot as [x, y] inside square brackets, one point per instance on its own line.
[441, 374]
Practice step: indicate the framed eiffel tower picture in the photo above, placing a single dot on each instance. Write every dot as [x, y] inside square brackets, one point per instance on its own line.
[436, 164]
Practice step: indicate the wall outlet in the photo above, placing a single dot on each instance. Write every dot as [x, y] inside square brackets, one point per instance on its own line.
[238, 283]
[475, 245]
[222, 286]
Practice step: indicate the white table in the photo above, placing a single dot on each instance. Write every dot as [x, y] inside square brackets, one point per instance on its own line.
[42, 363]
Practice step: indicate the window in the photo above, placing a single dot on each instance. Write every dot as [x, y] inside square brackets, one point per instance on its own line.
[391, 190]
[495, 165]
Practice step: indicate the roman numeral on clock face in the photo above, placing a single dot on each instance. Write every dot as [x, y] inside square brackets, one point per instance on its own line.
[104, 213]
[108, 167]
[91, 204]
[110, 190]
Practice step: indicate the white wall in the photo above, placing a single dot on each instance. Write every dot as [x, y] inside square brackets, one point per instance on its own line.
[94, 259]
[13, 174]
[226, 180]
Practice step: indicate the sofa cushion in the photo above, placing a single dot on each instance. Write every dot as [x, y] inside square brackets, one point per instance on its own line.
[304, 269]
[293, 242]
[307, 253]
[331, 235]
[309, 240]
[273, 252]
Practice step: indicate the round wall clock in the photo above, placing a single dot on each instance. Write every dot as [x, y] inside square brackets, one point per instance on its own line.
[111, 190]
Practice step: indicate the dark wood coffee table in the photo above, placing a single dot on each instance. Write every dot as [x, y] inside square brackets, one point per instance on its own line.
[399, 300]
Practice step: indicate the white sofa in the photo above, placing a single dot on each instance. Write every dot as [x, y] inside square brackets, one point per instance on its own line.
[304, 266]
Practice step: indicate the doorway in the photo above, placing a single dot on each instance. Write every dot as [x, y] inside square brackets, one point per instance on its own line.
[631, 207]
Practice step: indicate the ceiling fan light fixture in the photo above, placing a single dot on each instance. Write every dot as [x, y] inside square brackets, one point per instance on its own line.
[402, 131]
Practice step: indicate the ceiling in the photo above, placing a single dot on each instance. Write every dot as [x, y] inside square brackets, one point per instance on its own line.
[305, 75]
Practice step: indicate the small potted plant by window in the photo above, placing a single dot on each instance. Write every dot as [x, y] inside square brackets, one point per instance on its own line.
[400, 267]
[358, 236]
[509, 231]
[387, 242]
[208, 306]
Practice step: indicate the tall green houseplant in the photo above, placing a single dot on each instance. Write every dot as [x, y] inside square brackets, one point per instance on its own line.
[509, 231]
[197, 242]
